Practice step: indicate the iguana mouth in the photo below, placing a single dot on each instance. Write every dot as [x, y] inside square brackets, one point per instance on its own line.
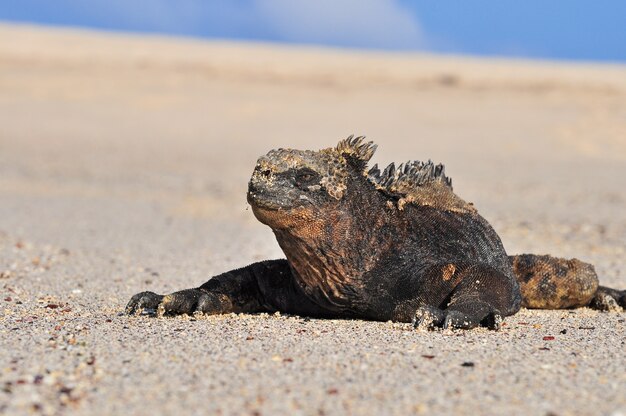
[261, 203]
[261, 200]
[260, 195]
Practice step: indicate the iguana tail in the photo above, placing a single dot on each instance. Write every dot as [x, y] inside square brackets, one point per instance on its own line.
[548, 282]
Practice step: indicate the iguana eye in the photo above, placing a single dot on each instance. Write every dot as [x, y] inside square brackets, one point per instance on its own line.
[306, 177]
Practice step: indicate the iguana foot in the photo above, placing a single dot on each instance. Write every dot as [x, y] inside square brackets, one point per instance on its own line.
[493, 321]
[428, 317]
[144, 301]
[463, 318]
[193, 301]
[607, 299]
[187, 301]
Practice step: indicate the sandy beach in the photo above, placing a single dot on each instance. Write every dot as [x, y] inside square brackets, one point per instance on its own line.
[124, 163]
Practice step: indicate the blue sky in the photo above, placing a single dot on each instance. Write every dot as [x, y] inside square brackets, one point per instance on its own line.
[552, 29]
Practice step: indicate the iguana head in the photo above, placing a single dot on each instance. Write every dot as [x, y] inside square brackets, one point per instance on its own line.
[290, 186]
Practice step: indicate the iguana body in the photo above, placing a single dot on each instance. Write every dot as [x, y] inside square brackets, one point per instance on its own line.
[397, 245]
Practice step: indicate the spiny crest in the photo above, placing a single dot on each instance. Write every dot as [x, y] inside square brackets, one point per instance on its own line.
[357, 149]
[411, 174]
[418, 183]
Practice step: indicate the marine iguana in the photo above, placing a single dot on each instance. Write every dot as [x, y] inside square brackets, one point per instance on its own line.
[393, 245]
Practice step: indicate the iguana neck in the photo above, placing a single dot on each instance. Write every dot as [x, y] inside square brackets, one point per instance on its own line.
[330, 254]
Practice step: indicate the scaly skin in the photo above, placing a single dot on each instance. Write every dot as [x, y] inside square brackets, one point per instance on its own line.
[394, 245]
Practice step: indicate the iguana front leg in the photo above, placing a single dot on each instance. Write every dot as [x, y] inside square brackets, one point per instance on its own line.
[233, 291]
[267, 286]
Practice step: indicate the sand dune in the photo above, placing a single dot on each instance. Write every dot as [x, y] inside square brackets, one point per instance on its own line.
[297, 64]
